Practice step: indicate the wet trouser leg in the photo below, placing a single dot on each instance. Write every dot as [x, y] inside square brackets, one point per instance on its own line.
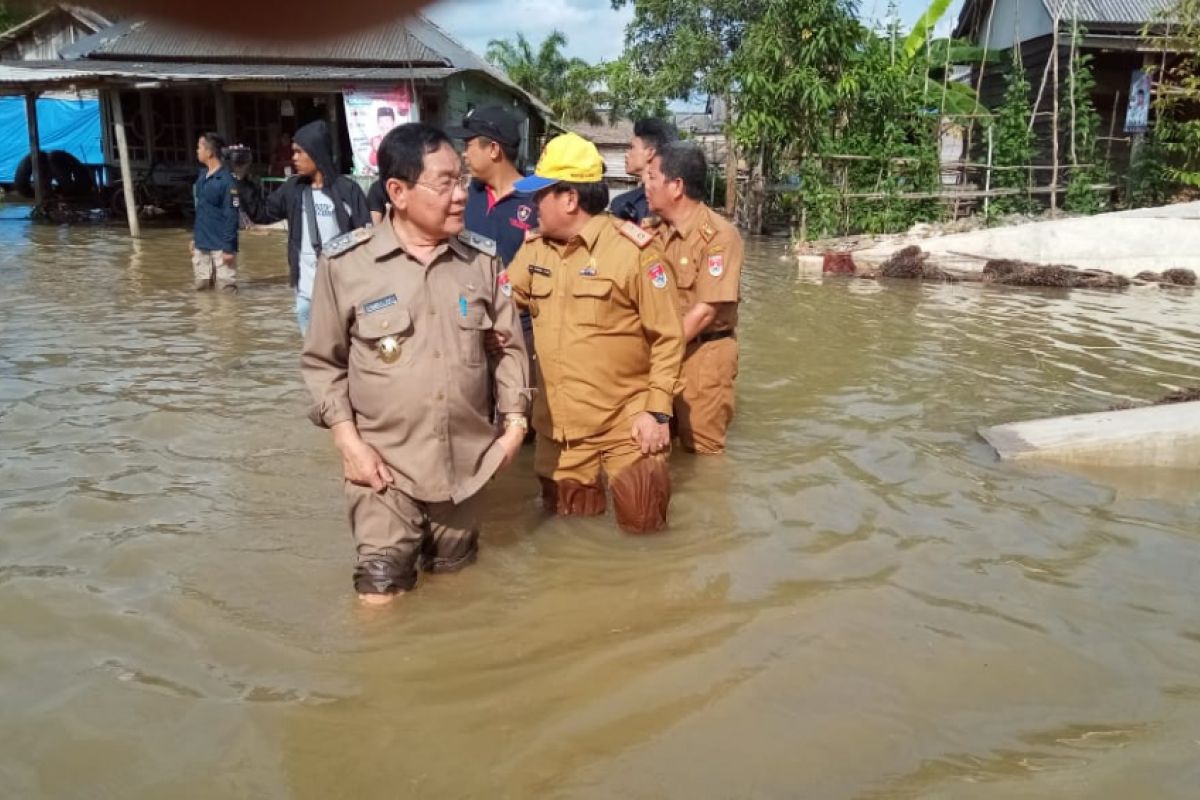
[208, 266]
[395, 535]
[203, 269]
[704, 410]
[453, 541]
[571, 475]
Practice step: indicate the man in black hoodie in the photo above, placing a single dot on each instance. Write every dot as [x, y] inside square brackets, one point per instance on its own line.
[319, 205]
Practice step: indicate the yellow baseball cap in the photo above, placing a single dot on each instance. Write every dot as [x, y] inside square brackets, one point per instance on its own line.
[568, 157]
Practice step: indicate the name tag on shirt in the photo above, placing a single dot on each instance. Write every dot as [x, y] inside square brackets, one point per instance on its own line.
[536, 270]
[380, 304]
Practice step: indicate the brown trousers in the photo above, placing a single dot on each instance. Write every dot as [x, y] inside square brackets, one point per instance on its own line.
[571, 474]
[704, 410]
[396, 536]
[209, 266]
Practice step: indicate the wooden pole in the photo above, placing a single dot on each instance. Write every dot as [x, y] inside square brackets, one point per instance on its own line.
[35, 149]
[1071, 81]
[731, 161]
[126, 172]
[1054, 133]
[987, 180]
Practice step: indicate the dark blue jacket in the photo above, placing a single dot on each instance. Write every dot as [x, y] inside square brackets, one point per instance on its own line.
[631, 205]
[504, 222]
[217, 216]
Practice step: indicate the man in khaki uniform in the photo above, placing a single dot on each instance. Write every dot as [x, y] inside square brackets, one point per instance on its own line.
[395, 360]
[705, 252]
[608, 342]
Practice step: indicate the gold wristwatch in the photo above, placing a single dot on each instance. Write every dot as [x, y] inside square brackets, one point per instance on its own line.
[516, 421]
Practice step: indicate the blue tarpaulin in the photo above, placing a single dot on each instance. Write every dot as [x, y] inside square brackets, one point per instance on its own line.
[70, 125]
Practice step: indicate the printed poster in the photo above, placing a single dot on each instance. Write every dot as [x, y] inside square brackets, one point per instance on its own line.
[1137, 118]
[370, 114]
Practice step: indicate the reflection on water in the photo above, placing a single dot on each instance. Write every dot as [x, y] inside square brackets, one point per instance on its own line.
[858, 601]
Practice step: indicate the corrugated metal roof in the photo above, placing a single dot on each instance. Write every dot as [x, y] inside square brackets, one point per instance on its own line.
[396, 50]
[390, 43]
[84, 71]
[1108, 12]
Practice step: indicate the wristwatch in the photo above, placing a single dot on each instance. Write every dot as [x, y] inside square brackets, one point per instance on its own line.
[660, 418]
[516, 421]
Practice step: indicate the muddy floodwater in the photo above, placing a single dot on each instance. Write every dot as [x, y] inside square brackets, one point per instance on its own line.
[858, 601]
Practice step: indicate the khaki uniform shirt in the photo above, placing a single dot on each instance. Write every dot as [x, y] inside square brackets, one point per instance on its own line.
[605, 326]
[397, 347]
[706, 254]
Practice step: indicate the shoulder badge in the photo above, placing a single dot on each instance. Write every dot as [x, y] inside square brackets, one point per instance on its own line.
[635, 234]
[658, 275]
[346, 242]
[481, 243]
[707, 232]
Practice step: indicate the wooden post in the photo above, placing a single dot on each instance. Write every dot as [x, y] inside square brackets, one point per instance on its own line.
[35, 149]
[335, 101]
[1054, 125]
[987, 180]
[126, 172]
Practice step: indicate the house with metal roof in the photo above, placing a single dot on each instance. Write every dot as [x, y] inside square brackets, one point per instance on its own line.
[1122, 39]
[164, 86]
[47, 32]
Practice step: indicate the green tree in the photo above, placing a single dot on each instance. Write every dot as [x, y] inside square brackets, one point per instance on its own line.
[12, 14]
[1013, 142]
[1084, 132]
[1177, 128]
[681, 50]
[567, 85]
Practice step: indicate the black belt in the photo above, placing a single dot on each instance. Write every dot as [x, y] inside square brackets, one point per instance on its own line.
[713, 336]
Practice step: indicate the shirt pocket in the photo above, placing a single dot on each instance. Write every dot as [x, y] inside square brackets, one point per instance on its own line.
[472, 327]
[685, 273]
[384, 338]
[593, 301]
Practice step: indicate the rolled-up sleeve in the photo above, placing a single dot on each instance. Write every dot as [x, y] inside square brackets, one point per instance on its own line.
[324, 362]
[512, 368]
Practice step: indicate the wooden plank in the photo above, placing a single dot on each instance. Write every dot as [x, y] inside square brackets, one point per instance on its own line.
[1156, 436]
[126, 173]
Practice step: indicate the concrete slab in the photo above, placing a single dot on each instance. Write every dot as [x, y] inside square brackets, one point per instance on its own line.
[1124, 243]
[1156, 436]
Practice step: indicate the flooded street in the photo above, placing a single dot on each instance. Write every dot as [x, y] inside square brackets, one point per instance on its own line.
[859, 601]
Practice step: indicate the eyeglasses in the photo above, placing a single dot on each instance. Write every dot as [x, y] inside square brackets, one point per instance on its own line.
[447, 187]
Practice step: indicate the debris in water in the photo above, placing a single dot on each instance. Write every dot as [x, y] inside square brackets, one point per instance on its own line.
[1009, 272]
[912, 263]
[1179, 277]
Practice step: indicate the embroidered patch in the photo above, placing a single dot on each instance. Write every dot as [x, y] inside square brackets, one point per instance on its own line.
[534, 269]
[716, 265]
[380, 304]
[589, 271]
[524, 213]
[658, 275]
[504, 284]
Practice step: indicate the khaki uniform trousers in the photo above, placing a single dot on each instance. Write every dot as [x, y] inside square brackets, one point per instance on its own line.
[571, 472]
[704, 410]
[396, 536]
[209, 266]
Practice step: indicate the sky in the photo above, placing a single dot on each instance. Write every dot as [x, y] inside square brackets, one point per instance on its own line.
[594, 31]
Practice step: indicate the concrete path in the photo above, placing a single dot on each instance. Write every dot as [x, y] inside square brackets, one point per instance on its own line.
[1124, 243]
[1156, 436]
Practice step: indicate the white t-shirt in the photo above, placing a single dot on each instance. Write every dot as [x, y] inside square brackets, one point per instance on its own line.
[327, 228]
